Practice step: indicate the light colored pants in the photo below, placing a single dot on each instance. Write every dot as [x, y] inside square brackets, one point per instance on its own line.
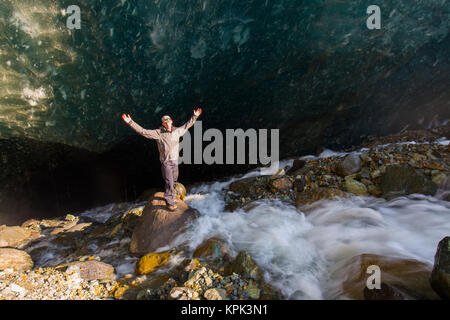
[169, 171]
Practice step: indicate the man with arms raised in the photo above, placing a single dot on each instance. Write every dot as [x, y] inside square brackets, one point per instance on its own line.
[168, 139]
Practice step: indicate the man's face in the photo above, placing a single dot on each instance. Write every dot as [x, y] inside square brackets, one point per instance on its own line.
[168, 125]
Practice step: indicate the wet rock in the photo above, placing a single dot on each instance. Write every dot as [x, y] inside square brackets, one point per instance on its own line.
[439, 178]
[65, 225]
[70, 217]
[52, 223]
[386, 292]
[374, 190]
[252, 290]
[434, 166]
[408, 277]
[198, 275]
[281, 184]
[349, 165]
[13, 236]
[158, 226]
[269, 292]
[296, 165]
[375, 174]
[180, 190]
[211, 248]
[74, 240]
[299, 184]
[91, 270]
[151, 261]
[232, 206]
[79, 227]
[215, 294]
[190, 264]
[244, 265]
[440, 277]
[120, 292]
[366, 182]
[130, 219]
[242, 192]
[404, 180]
[312, 195]
[355, 187]
[15, 259]
[249, 186]
[183, 293]
[32, 225]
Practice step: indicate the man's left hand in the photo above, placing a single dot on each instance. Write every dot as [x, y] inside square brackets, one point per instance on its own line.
[197, 112]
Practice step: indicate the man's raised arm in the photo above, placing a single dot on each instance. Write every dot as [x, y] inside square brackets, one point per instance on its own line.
[185, 127]
[149, 134]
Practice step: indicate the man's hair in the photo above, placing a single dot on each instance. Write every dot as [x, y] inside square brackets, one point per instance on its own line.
[165, 118]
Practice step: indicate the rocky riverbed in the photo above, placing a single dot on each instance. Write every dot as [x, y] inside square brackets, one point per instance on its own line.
[104, 253]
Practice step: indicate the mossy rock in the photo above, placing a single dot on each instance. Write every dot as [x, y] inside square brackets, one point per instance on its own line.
[148, 263]
[180, 190]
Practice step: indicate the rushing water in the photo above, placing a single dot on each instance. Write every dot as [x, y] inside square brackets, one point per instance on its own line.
[300, 252]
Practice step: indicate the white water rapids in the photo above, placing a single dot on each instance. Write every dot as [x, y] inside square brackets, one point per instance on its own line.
[299, 253]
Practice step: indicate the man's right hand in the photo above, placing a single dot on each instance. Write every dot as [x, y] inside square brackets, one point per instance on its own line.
[126, 118]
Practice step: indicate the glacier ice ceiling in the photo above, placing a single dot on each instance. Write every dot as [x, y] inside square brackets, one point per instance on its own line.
[311, 68]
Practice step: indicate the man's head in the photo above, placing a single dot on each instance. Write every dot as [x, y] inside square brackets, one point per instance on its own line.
[167, 122]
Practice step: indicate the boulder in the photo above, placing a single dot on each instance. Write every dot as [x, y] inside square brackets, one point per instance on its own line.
[386, 292]
[32, 224]
[253, 291]
[13, 236]
[439, 178]
[79, 227]
[180, 190]
[183, 293]
[244, 265]
[374, 190]
[350, 164]
[249, 186]
[15, 259]
[404, 180]
[158, 225]
[407, 278]
[440, 277]
[299, 184]
[92, 270]
[355, 187]
[148, 263]
[215, 294]
[281, 184]
[64, 225]
[211, 248]
[315, 194]
[52, 223]
[130, 219]
[296, 165]
[198, 276]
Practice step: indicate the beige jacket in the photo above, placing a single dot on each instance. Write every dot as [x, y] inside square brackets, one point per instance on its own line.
[168, 142]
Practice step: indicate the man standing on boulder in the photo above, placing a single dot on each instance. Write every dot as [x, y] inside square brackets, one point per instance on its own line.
[168, 139]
